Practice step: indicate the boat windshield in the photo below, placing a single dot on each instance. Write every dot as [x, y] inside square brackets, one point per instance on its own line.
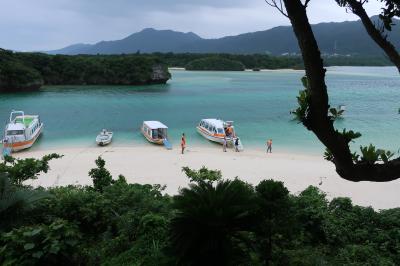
[14, 132]
[220, 131]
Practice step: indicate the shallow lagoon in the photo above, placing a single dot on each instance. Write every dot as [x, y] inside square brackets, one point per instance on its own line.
[258, 102]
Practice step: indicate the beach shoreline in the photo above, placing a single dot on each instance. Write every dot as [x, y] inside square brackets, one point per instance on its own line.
[152, 164]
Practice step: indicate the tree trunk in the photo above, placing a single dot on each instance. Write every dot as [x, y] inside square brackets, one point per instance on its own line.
[318, 120]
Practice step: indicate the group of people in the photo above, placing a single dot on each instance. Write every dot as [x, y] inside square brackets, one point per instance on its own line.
[225, 144]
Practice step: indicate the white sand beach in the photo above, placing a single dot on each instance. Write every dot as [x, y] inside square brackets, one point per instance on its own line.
[155, 165]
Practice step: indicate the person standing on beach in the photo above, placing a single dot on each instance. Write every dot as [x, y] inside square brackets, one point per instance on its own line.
[269, 146]
[224, 144]
[183, 142]
[237, 145]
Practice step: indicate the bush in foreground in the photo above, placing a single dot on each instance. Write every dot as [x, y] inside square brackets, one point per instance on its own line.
[211, 222]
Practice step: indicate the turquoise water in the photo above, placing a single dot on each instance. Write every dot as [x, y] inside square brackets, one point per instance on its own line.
[258, 102]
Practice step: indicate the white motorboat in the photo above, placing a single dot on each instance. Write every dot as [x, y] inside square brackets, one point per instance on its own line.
[22, 131]
[216, 130]
[104, 138]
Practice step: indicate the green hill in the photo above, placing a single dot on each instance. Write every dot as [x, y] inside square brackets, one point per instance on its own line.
[345, 38]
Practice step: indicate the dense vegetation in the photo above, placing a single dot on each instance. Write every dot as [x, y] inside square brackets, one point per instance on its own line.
[211, 222]
[29, 71]
[215, 63]
[23, 71]
[15, 75]
[264, 61]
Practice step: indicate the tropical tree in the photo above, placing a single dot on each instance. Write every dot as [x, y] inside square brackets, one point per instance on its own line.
[20, 170]
[15, 201]
[212, 223]
[57, 243]
[274, 216]
[316, 116]
[101, 176]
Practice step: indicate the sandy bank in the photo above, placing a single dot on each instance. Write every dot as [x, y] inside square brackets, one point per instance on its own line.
[156, 165]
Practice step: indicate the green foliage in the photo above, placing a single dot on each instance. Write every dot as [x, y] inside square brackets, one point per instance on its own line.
[328, 155]
[350, 135]
[215, 63]
[202, 175]
[392, 10]
[384, 155]
[57, 243]
[101, 176]
[274, 224]
[23, 71]
[250, 61]
[20, 170]
[300, 114]
[113, 221]
[311, 206]
[211, 222]
[371, 155]
[15, 202]
[335, 114]
[266, 61]
[15, 76]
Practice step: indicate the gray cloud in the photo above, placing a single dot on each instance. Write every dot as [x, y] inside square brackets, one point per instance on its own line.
[50, 24]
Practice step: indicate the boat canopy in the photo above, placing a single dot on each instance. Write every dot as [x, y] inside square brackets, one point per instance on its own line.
[215, 122]
[154, 124]
[15, 127]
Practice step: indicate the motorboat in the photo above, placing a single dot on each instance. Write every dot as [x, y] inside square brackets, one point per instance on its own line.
[104, 137]
[217, 130]
[22, 131]
[156, 132]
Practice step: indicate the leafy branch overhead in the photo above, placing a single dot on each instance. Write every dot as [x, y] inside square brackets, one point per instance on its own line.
[377, 30]
[314, 111]
[300, 114]
[302, 111]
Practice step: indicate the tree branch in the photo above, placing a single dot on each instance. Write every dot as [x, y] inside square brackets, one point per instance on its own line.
[318, 120]
[278, 5]
[357, 8]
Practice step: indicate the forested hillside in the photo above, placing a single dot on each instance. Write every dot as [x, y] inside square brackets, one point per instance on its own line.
[28, 71]
[345, 38]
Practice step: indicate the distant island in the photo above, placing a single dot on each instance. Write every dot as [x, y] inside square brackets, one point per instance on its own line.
[215, 63]
[237, 62]
[29, 71]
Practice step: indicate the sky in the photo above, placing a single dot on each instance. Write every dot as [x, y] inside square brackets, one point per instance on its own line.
[41, 25]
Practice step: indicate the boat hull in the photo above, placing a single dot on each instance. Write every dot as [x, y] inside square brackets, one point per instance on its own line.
[210, 137]
[22, 145]
[104, 141]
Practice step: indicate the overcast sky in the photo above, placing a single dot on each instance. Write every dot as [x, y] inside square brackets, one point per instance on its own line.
[28, 25]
